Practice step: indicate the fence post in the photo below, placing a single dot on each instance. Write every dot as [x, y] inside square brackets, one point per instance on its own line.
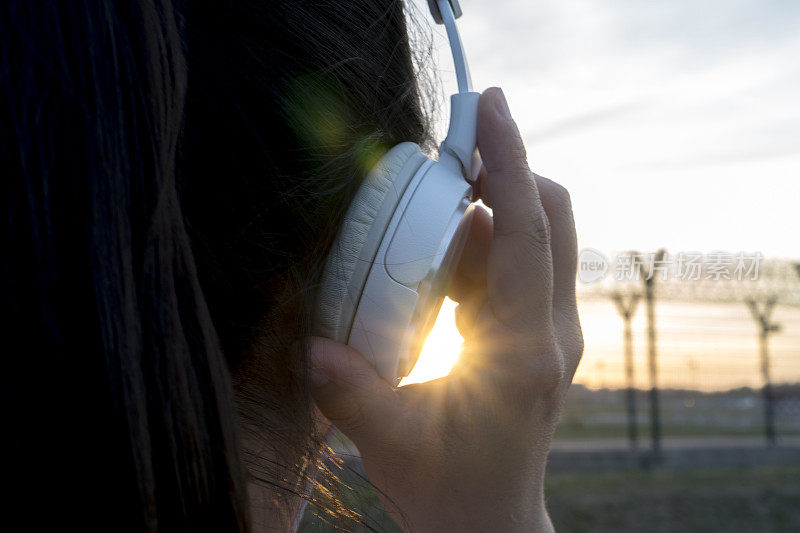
[626, 310]
[765, 327]
[649, 296]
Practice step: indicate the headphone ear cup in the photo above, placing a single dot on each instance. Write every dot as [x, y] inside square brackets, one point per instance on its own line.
[359, 238]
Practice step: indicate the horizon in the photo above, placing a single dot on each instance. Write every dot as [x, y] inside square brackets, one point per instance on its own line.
[696, 351]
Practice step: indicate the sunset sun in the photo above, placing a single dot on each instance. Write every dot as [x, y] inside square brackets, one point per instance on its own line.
[441, 348]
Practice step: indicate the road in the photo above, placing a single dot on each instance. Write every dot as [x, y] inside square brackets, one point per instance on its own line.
[672, 443]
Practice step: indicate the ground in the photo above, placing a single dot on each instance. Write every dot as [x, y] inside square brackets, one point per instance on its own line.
[729, 500]
[765, 499]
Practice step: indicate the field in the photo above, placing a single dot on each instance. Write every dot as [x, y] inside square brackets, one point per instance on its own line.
[600, 414]
[766, 499]
[730, 500]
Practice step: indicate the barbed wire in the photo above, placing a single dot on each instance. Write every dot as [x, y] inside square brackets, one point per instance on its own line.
[775, 278]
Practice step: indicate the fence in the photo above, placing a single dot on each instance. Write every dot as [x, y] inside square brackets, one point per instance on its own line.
[720, 358]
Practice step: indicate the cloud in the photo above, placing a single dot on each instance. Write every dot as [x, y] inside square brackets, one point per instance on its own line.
[582, 121]
[645, 107]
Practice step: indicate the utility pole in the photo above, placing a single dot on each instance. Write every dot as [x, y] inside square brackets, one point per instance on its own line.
[627, 308]
[649, 297]
[762, 316]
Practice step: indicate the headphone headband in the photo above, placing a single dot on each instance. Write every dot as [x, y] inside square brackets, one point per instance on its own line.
[446, 12]
[437, 13]
[458, 148]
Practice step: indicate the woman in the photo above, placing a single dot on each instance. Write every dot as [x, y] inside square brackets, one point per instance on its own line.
[176, 173]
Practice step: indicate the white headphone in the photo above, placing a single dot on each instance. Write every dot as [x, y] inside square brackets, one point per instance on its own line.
[384, 280]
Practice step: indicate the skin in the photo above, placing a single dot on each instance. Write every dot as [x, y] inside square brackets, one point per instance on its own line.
[467, 452]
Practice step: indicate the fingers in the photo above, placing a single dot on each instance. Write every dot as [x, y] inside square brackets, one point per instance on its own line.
[349, 392]
[480, 188]
[468, 309]
[471, 270]
[563, 243]
[521, 269]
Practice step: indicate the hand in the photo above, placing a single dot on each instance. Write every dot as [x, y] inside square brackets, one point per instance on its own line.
[467, 452]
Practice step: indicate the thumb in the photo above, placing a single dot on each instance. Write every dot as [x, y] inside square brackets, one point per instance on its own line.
[351, 394]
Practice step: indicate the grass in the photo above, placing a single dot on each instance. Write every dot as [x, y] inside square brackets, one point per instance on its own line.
[763, 499]
[730, 500]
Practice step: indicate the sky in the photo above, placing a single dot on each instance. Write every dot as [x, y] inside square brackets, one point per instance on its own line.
[673, 123]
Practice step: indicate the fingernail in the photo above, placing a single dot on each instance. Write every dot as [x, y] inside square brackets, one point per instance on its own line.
[501, 104]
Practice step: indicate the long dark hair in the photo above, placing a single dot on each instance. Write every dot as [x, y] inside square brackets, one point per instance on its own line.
[175, 173]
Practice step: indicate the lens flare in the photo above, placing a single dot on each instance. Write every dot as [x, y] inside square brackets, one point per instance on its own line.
[441, 349]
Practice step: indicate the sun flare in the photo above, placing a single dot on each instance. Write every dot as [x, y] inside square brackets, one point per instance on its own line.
[441, 348]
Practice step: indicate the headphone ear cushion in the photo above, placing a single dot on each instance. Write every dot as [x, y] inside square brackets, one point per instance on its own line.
[359, 238]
